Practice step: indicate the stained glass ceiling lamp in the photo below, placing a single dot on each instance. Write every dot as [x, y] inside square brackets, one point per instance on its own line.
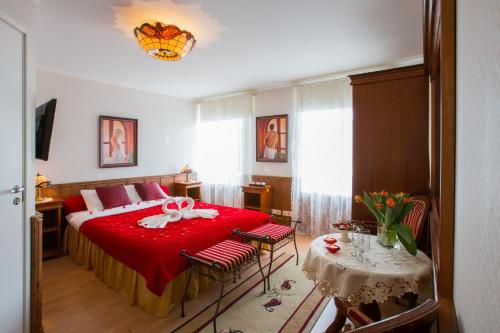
[164, 42]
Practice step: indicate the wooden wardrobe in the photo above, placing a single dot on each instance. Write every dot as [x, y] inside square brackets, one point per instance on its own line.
[390, 133]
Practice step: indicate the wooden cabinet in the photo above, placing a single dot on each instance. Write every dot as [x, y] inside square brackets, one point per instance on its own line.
[390, 133]
[258, 198]
[188, 189]
[52, 227]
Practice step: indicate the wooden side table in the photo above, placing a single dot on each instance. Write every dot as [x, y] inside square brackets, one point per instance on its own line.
[258, 198]
[52, 227]
[190, 189]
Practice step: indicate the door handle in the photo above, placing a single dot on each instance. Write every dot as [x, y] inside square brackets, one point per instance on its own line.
[17, 189]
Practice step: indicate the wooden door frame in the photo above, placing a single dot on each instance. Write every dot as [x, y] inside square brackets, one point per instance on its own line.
[440, 64]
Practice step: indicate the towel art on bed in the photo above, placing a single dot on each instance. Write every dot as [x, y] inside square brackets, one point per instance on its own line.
[174, 215]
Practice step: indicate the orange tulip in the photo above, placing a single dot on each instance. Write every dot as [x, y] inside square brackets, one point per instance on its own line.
[406, 200]
[379, 206]
[358, 199]
[384, 194]
[391, 203]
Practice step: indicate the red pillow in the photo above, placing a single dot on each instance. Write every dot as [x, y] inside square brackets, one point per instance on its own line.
[74, 204]
[149, 191]
[165, 189]
[113, 196]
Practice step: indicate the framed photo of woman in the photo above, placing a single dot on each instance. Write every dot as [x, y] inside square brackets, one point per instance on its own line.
[272, 138]
[117, 142]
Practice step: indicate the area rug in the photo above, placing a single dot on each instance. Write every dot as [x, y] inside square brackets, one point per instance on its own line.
[293, 305]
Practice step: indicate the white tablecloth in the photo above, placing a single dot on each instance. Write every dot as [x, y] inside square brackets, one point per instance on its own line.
[389, 272]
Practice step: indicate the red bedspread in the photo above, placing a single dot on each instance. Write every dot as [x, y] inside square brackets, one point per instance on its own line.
[154, 253]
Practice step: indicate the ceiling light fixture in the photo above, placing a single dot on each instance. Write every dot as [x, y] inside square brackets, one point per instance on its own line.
[164, 42]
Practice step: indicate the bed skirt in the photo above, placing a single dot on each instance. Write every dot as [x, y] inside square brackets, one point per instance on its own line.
[126, 280]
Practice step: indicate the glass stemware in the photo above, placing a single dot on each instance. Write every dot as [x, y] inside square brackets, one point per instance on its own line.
[357, 238]
[364, 247]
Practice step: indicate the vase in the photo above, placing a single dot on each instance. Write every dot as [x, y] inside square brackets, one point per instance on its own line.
[386, 238]
[344, 236]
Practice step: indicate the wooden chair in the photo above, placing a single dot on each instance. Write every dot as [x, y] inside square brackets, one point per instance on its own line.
[417, 320]
[417, 217]
[359, 316]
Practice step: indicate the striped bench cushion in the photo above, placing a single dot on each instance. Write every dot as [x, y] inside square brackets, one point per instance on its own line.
[229, 254]
[415, 217]
[276, 232]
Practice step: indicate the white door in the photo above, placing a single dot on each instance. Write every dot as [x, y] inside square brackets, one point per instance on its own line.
[11, 174]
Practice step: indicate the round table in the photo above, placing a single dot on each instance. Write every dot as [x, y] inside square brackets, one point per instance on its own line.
[389, 272]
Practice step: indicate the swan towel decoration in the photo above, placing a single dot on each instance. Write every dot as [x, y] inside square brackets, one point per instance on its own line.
[174, 215]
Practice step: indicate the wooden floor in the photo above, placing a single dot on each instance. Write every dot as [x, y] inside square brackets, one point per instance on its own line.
[75, 300]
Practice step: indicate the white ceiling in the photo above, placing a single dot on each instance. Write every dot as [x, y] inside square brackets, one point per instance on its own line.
[246, 44]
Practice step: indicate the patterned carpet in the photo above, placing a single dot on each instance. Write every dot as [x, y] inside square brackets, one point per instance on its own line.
[293, 306]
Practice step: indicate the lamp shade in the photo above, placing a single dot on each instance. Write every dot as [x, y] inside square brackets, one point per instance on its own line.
[164, 42]
[186, 169]
[40, 179]
[40, 182]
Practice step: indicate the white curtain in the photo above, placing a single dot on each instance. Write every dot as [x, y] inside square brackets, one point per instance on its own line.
[322, 155]
[223, 147]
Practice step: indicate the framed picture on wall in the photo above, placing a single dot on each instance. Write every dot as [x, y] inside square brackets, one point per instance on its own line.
[272, 138]
[117, 142]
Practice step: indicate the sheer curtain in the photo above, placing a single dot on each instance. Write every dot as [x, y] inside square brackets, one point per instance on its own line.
[322, 155]
[222, 148]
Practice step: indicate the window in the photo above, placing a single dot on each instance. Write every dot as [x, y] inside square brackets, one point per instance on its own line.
[222, 142]
[219, 151]
[325, 141]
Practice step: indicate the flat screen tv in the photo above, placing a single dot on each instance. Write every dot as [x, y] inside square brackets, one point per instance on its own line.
[44, 122]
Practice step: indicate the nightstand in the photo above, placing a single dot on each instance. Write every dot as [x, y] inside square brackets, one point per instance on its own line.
[51, 227]
[258, 198]
[188, 189]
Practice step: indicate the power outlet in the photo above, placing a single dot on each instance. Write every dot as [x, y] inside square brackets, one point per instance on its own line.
[276, 211]
[287, 213]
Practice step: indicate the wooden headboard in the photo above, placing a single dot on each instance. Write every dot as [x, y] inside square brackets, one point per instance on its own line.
[62, 191]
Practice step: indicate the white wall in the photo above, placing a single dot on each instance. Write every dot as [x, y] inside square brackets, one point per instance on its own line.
[166, 128]
[477, 225]
[267, 103]
[21, 11]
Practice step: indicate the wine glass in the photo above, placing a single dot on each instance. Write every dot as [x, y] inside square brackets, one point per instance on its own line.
[354, 228]
[364, 247]
[357, 238]
[332, 228]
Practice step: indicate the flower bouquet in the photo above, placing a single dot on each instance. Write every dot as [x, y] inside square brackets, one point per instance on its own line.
[344, 228]
[389, 210]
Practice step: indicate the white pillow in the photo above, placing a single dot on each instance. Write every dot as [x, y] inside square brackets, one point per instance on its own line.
[132, 193]
[92, 200]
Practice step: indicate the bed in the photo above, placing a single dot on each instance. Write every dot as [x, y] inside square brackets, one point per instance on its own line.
[144, 264]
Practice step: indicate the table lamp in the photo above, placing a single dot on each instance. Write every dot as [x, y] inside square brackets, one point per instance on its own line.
[186, 170]
[40, 182]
